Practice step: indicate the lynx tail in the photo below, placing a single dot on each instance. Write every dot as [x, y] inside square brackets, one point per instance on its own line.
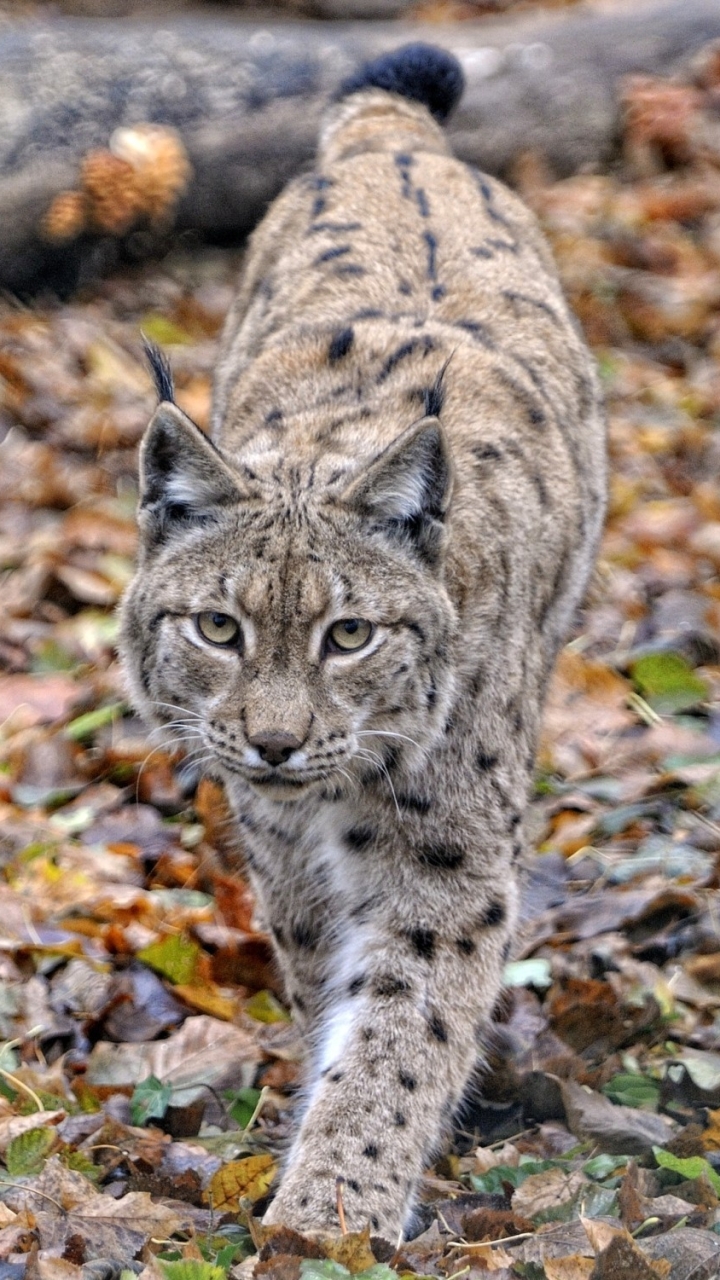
[421, 72]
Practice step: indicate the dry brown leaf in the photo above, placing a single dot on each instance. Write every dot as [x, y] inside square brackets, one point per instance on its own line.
[617, 1130]
[571, 1268]
[240, 1180]
[352, 1250]
[624, 1260]
[547, 1190]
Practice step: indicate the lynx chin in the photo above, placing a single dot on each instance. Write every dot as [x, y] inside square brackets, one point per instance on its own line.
[349, 600]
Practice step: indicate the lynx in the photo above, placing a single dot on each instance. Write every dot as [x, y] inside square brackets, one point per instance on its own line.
[350, 597]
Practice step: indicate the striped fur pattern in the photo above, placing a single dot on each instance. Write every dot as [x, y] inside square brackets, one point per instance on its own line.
[407, 431]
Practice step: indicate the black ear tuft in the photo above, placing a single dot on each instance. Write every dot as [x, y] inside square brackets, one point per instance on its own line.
[160, 369]
[422, 72]
[434, 396]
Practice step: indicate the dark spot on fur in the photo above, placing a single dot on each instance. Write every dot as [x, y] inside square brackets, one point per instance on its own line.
[516, 850]
[386, 984]
[423, 942]
[352, 269]
[431, 242]
[506, 951]
[338, 252]
[354, 1186]
[486, 453]
[416, 804]
[340, 344]
[407, 1081]
[495, 914]
[441, 857]
[399, 1120]
[367, 1033]
[485, 762]
[357, 984]
[371, 1151]
[303, 1202]
[438, 1028]
[358, 838]
[424, 344]
[374, 1222]
[465, 946]
[299, 1003]
[305, 935]
[336, 1076]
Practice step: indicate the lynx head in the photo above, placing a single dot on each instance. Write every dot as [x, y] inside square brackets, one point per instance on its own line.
[287, 622]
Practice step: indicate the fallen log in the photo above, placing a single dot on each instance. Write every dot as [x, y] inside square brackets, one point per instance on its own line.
[246, 99]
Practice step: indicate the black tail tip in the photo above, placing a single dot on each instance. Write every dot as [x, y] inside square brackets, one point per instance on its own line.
[419, 71]
[160, 370]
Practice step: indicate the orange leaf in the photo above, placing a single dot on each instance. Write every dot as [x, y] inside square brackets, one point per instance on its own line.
[247, 1179]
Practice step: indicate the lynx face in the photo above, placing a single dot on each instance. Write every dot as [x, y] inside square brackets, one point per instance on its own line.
[301, 658]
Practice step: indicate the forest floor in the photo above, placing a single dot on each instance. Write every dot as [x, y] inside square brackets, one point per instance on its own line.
[148, 1061]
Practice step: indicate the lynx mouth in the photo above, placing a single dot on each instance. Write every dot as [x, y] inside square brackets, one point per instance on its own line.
[273, 786]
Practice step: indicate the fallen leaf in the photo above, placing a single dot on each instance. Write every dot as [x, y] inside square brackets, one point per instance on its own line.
[240, 1180]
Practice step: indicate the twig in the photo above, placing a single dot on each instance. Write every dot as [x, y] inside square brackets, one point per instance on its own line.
[24, 1186]
[487, 1244]
[19, 1084]
[258, 1108]
[339, 1184]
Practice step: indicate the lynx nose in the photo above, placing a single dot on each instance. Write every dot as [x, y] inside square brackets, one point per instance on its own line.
[275, 748]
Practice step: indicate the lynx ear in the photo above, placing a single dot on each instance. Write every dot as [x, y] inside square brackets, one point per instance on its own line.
[183, 477]
[406, 489]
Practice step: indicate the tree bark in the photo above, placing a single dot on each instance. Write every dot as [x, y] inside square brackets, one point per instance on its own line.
[247, 100]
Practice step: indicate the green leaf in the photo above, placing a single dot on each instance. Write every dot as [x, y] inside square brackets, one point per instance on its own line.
[175, 957]
[322, 1269]
[263, 1007]
[493, 1180]
[668, 683]
[601, 1167]
[633, 1091]
[27, 1153]
[85, 726]
[150, 1100]
[242, 1105]
[691, 1167]
[79, 1162]
[187, 1270]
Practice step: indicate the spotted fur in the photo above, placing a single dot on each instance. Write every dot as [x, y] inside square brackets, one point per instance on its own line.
[406, 429]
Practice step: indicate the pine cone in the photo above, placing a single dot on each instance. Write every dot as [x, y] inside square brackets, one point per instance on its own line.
[160, 163]
[109, 183]
[66, 217]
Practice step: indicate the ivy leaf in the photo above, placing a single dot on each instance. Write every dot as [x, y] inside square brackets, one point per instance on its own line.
[27, 1153]
[242, 1105]
[633, 1091]
[150, 1100]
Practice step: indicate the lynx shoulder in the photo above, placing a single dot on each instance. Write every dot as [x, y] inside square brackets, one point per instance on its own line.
[350, 599]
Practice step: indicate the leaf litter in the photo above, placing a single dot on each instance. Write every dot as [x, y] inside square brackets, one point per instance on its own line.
[148, 1063]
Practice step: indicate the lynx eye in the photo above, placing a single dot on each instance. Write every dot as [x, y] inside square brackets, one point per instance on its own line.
[348, 635]
[218, 628]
